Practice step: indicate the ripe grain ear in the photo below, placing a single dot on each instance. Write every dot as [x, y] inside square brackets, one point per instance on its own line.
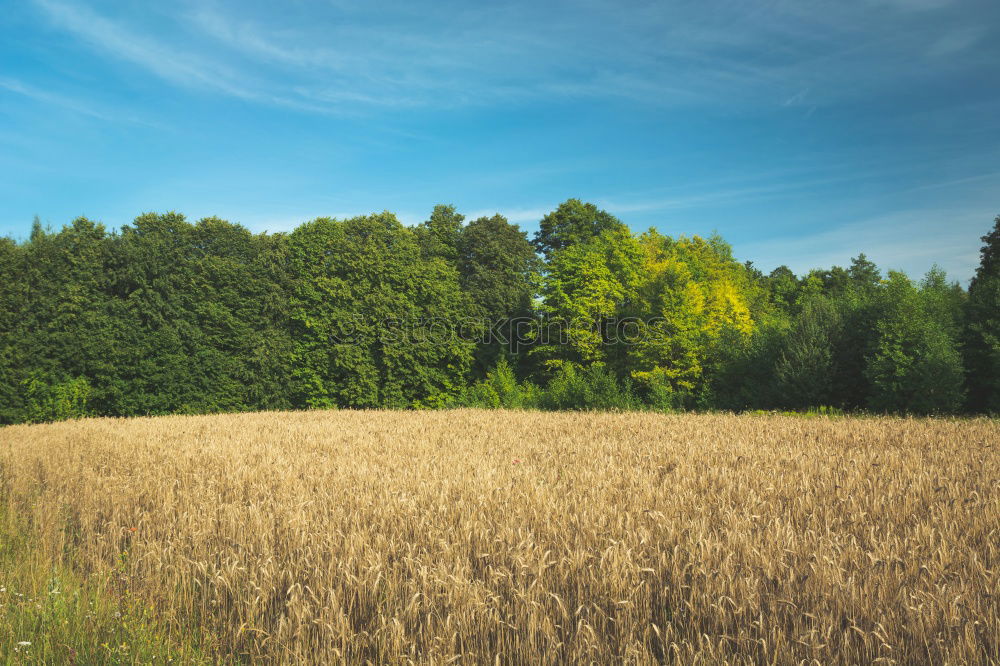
[390, 537]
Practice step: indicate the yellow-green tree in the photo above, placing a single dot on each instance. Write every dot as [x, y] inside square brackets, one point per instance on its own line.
[693, 297]
[587, 284]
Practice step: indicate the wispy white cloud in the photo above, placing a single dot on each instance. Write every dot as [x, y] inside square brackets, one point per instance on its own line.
[247, 37]
[69, 103]
[915, 5]
[179, 66]
[991, 178]
[748, 188]
[956, 41]
[16, 86]
[346, 55]
[711, 197]
[174, 65]
[909, 240]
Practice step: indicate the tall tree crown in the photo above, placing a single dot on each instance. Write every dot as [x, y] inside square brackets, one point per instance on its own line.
[572, 222]
[989, 256]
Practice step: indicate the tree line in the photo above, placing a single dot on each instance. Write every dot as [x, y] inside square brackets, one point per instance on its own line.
[167, 316]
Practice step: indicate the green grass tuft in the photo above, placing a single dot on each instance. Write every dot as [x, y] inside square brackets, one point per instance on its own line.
[51, 614]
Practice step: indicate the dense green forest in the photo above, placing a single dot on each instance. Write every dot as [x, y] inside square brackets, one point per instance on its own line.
[165, 316]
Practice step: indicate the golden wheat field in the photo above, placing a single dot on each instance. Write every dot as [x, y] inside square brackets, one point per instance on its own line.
[525, 537]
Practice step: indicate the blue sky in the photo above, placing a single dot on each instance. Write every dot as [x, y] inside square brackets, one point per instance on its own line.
[804, 131]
